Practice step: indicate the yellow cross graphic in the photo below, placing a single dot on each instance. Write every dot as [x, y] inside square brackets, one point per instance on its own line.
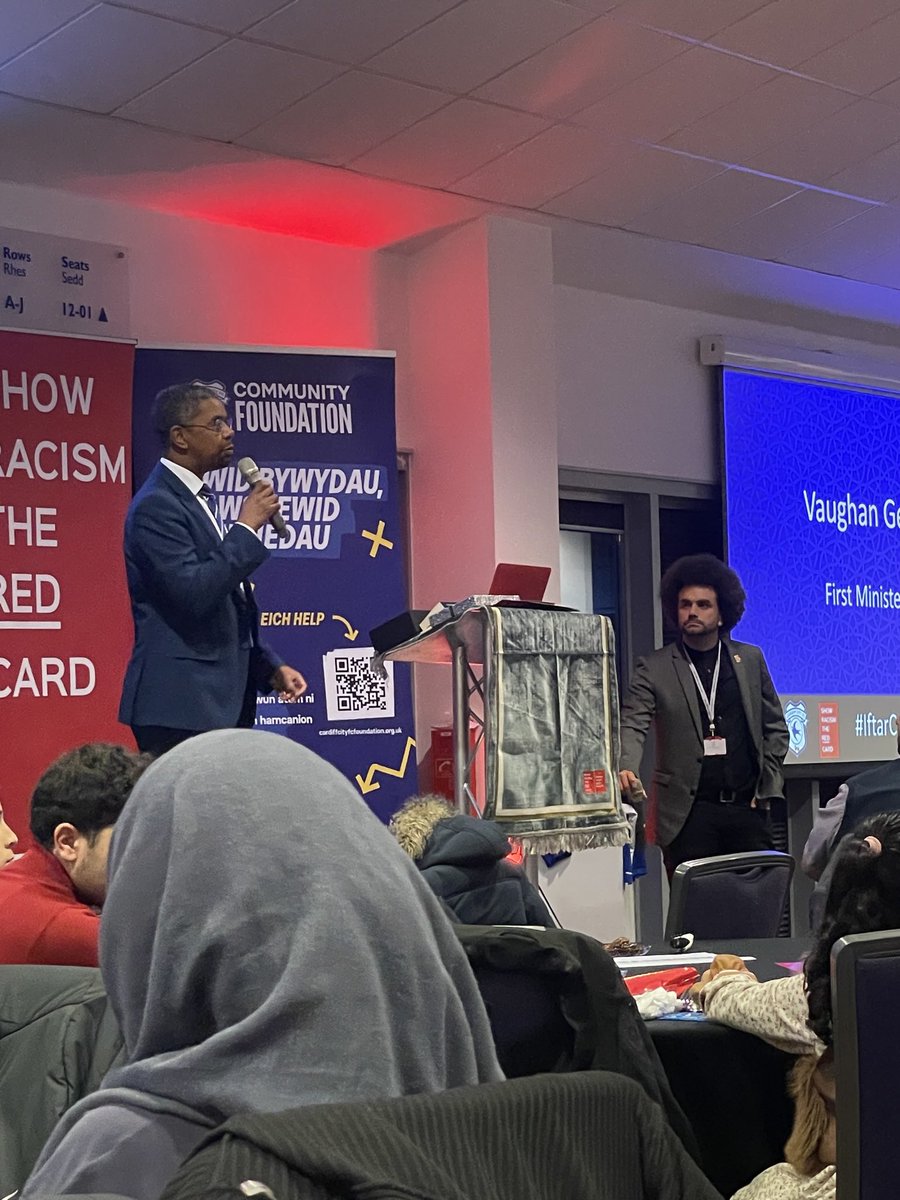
[377, 539]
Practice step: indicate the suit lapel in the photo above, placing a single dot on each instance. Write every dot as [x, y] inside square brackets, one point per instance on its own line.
[192, 506]
[689, 687]
[242, 600]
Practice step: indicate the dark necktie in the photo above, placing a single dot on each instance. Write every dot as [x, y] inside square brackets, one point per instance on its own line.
[211, 502]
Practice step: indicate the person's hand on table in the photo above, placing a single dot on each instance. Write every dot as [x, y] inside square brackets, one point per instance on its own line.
[722, 962]
[727, 962]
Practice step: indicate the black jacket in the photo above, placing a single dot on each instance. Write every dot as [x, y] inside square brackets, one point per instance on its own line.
[463, 863]
[58, 1038]
[590, 1136]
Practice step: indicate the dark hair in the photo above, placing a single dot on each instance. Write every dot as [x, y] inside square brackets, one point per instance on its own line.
[86, 787]
[703, 570]
[179, 404]
[864, 896]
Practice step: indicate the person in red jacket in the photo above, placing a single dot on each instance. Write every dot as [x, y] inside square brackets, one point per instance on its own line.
[50, 897]
[8, 841]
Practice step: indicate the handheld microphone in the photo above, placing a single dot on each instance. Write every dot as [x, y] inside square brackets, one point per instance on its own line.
[250, 471]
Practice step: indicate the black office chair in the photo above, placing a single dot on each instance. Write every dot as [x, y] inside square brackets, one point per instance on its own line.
[865, 983]
[730, 896]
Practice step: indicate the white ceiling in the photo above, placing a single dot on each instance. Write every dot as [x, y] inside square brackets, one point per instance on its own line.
[767, 128]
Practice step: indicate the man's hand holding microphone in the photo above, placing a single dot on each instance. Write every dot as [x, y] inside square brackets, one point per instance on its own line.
[262, 504]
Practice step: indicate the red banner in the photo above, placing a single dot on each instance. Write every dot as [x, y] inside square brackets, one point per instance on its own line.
[65, 485]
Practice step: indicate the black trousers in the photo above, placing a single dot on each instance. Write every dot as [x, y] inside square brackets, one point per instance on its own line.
[157, 739]
[713, 828]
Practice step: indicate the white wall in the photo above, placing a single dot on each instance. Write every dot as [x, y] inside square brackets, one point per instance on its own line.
[197, 282]
[523, 392]
[633, 397]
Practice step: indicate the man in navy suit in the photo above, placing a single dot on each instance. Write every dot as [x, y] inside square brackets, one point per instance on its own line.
[197, 661]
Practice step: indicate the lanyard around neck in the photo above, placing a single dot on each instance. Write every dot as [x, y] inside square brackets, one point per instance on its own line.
[709, 702]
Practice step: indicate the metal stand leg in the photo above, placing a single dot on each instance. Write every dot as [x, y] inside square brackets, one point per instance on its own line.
[467, 687]
[460, 727]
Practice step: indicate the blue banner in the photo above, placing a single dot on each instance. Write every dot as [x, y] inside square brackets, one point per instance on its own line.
[321, 427]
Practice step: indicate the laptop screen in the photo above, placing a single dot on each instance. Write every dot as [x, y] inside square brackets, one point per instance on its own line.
[516, 579]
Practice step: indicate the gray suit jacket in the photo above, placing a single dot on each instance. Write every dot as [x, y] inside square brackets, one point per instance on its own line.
[663, 692]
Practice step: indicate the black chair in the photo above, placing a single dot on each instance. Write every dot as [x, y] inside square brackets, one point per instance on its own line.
[586, 1136]
[730, 896]
[557, 1002]
[865, 983]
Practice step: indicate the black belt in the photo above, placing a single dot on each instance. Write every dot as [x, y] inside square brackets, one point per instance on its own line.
[728, 796]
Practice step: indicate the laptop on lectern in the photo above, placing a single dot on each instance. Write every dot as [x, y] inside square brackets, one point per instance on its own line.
[516, 579]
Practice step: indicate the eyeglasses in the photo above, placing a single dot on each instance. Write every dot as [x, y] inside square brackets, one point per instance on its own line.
[216, 425]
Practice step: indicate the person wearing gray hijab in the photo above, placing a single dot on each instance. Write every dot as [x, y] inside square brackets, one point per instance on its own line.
[265, 944]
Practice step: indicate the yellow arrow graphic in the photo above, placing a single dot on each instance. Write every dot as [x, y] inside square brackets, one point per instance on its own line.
[351, 634]
[366, 785]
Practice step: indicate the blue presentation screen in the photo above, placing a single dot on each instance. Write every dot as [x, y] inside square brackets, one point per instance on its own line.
[812, 492]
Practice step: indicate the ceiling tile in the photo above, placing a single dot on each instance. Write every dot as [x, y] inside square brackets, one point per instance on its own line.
[848, 136]
[715, 204]
[786, 32]
[349, 32]
[773, 233]
[863, 63]
[233, 89]
[22, 22]
[582, 68]
[739, 131]
[91, 63]
[532, 173]
[883, 267]
[889, 94]
[876, 178]
[58, 147]
[692, 18]
[477, 40]
[594, 7]
[344, 118]
[883, 272]
[680, 91]
[843, 249]
[232, 16]
[450, 144]
[633, 180]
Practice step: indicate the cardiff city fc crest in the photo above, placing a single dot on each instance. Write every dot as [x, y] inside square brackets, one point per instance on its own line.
[796, 718]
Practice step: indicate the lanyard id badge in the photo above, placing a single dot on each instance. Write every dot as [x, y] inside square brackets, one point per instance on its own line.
[712, 745]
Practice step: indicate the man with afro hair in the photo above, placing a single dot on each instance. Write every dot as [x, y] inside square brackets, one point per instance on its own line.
[720, 731]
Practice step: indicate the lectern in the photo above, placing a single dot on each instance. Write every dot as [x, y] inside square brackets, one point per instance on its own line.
[540, 687]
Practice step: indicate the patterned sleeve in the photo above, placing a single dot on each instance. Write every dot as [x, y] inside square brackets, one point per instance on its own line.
[775, 1011]
[782, 1182]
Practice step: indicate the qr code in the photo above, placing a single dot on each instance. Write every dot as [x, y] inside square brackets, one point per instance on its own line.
[353, 691]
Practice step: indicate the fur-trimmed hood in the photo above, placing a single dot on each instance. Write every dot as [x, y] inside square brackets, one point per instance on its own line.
[463, 861]
[413, 823]
[432, 832]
